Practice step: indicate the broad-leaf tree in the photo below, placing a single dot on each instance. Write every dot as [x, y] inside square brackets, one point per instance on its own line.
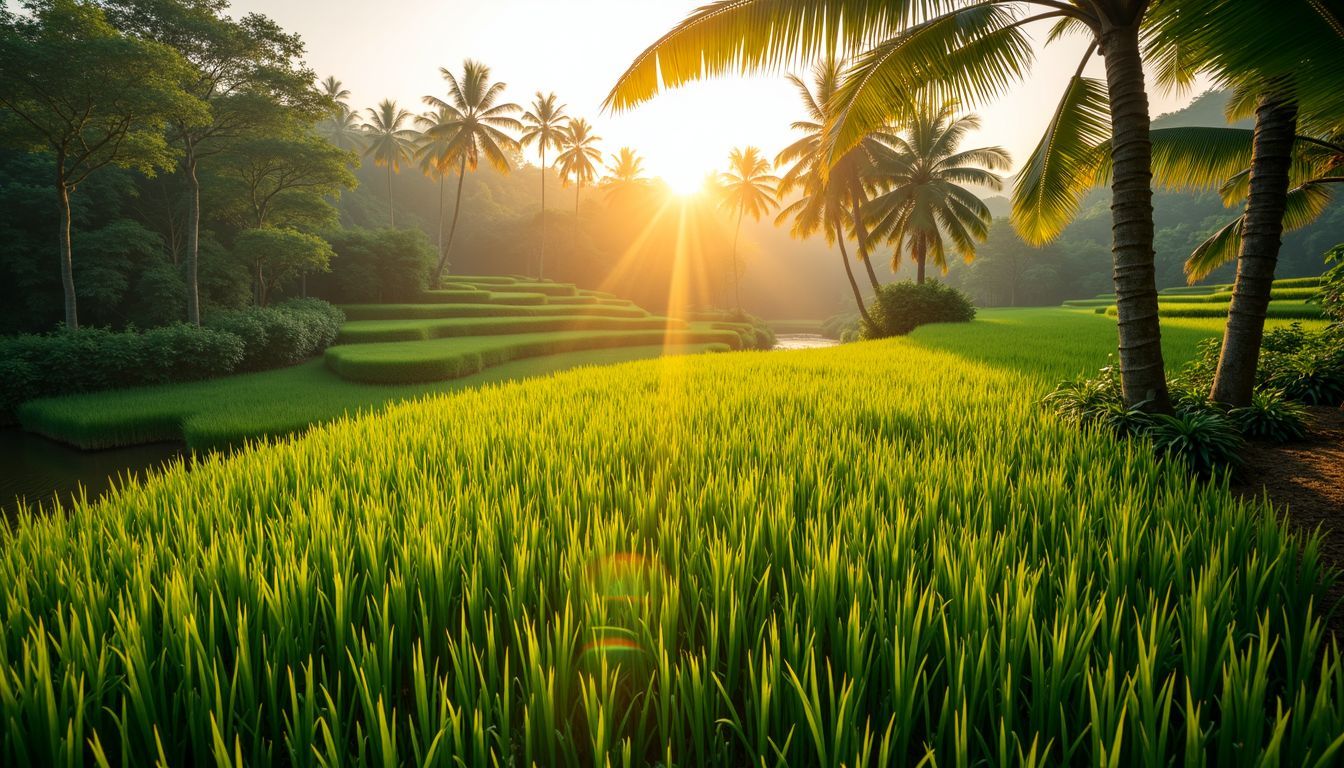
[968, 50]
[247, 71]
[747, 188]
[475, 127]
[389, 143]
[578, 162]
[924, 204]
[543, 125]
[74, 86]
[278, 255]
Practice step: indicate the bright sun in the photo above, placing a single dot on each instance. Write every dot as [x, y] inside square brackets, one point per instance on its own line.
[684, 181]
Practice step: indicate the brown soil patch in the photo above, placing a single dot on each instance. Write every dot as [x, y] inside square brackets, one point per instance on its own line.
[1308, 479]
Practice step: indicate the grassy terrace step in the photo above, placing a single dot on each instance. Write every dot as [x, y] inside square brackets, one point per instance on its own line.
[547, 288]
[402, 362]
[473, 296]
[1279, 309]
[369, 331]
[431, 311]
[225, 413]
[1275, 294]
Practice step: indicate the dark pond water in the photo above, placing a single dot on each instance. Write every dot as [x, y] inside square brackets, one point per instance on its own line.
[803, 341]
[37, 469]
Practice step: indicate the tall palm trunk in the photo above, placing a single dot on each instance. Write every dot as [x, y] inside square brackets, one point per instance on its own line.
[541, 253]
[441, 186]
[193, 237]
[67, 257]
[391, 209]
[861, 232]
[1143, 377]
[1261, 237]
[737, 288]
[577, 189]
[849, 272]
[452, 230]
[921, 257]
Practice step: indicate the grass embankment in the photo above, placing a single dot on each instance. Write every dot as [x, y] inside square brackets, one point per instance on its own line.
[368, 331]
[432, 311]
[226, 413]
[1286, 309]
[719, 560]
[405, 362]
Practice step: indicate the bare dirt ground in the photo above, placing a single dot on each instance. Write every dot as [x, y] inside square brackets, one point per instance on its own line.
[1308, 479]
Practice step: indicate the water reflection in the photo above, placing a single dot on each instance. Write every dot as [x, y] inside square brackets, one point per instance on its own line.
[37, 469]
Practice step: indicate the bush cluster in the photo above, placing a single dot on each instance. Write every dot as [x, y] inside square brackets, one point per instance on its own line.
[376, 266]
[282, 335]
[92, 359]
[899, 308]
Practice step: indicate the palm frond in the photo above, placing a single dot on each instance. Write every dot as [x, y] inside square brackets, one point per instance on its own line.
[1047, 190]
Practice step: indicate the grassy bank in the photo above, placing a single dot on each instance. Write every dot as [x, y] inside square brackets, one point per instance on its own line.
[872, 554]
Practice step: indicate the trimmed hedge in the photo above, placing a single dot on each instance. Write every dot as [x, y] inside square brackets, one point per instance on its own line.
[282, 335]
[93, 359]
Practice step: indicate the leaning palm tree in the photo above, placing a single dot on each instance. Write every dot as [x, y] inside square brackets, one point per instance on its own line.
[475, 126]
[923, 204]
[389, 143]
[748, 188]
[827, 200]
[543, 125]
[578, 162]
[843, 189]
[970, 50]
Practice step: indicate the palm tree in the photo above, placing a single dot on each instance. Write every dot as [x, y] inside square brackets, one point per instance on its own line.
[544, 125]
[748, 188]
[333, 89]
[923, 204]
[625, 175]
[1287, 90]
[389, 143]
[474, 128]
[341, 126]
[578, 161]
[966, 49]
[827, 200]
[433, 153]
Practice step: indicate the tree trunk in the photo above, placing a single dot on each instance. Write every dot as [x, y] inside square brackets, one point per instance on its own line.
[193, 238]
[391, 209]
[1261, 237]
[67, 258]
[737, 287]
[452, 229]
[1143, 377]
[441, 186]
[849, 272]
[541, 253]
[921, 257]
[577, 189]
[861, 232]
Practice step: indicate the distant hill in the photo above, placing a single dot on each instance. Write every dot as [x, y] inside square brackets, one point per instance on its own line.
[1206, 110]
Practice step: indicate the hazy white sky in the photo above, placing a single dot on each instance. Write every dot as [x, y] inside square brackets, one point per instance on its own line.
[577, 48]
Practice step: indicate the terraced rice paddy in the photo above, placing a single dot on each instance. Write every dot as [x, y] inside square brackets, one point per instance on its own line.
[879, 554]
[1290, 298]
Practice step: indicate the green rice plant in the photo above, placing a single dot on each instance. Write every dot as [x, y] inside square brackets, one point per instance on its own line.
[1297, 282]
[1288, 309]
[714, 560]
[1271, 416]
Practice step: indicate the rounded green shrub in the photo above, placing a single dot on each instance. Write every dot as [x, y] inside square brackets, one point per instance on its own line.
[902, 307]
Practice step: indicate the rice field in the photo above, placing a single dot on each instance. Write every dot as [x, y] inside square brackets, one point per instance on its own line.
[1290, 298]
[878, 554]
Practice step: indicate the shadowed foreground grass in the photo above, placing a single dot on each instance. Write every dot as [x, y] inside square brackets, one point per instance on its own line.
[865, 555]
